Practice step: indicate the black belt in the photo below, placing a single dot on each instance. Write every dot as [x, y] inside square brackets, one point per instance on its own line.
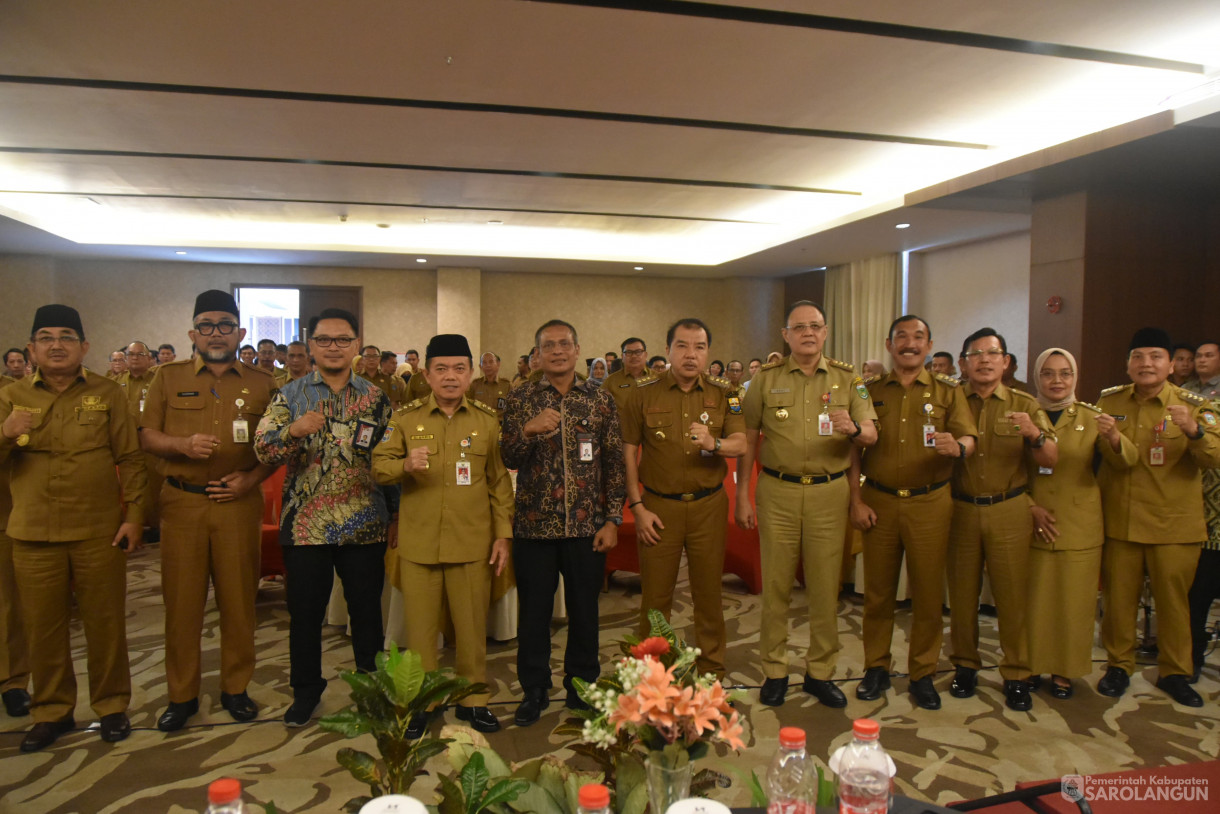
[686, 497]
[922, 490]
[989, 500]
[803, 479]
[187, 487]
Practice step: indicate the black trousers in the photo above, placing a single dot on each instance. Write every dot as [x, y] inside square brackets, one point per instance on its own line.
[1203, 591]
[309, 572]
[538, 565]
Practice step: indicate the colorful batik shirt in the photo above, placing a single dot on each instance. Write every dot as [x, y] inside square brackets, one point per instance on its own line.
[330, 497]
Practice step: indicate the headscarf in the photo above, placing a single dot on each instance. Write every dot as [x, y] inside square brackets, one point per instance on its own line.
[1046, 403]
[597, 380]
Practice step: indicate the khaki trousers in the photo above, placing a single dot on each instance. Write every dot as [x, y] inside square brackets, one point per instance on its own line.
[201, 539]
[999, 536]
[919, 528]
[50, 574]
[699, 528]
[14, 652]
[1171, 567]
[796, 521]
[466, 588]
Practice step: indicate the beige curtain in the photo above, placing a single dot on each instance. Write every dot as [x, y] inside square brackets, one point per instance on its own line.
[862, 299]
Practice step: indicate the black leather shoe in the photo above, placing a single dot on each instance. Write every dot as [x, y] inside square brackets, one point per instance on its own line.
[1061, 691]
[415, 729]
[876, 681]
[300, 712]
[480, 718]
[1016, 694]
[16, 702]
[1114, 683]
[1194, 676]
[43, 734]
[825, 691]
[924, 694]
[174, 717]
[239, 706]
[115, 727]
[1034, 683]
[531, 707]
[773, 692]
[965, 679]
[1179, 690]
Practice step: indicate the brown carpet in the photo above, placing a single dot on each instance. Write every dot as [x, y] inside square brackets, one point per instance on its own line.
[967, 749]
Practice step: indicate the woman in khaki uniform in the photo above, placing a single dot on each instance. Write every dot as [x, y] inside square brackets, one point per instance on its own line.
[1065, 556]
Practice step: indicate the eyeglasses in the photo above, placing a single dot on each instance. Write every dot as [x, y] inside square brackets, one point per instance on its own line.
[806, 327]
[634, 352]
[562, 344]
[209, 328]
[139, 355]
[337, 341]
[1052, 375]
[990, 353]
[48, 341]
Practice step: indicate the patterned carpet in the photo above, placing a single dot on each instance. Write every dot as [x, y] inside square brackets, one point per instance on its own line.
[969, 748]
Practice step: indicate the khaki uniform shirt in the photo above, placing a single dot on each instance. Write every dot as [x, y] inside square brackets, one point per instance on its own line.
[785, 404]
[136, 388]
[418, 387]
[6, 499]
[1000, 461]
[449, 522]
[621, 384]
[62, 479]
[493, 394]
[899, 459]
[185, 398]
[657, 417]
[1157, 504]
[393, 386]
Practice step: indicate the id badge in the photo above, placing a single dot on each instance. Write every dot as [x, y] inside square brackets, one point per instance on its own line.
[825, 425]
[584, 446]
[241, 431]
[463, 473]
[141, 405]
[1046, 470]
[1156, 454]
[363, 438]
[929, 435]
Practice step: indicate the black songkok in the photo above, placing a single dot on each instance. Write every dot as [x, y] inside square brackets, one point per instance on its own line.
[214, 300]
[57, 316]
[1151, 338]
[447, 345]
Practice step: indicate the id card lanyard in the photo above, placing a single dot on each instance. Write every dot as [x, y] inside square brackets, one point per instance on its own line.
[1156, 452]
[929, 429]
[825, 425]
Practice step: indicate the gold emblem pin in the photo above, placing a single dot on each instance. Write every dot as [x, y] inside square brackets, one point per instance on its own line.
[23, 439]
[782, 414]
[419, 428]
[661, 434]
[1079, 428]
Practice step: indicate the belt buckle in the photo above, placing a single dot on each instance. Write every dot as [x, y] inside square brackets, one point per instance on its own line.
[904, 493]
[687, 497]
[806, 480]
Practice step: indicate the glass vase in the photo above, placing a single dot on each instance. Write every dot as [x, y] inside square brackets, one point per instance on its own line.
[667, 785]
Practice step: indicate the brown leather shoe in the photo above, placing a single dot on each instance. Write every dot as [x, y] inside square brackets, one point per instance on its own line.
[45, 733]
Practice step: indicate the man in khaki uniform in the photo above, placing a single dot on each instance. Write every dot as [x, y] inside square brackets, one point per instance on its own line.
[490, 388]
[681, 427]
[811, 413]
[63, 432]
[991, 518]
[14, 652]
[444, 451]
[1153, 514]
[200, 417]
[904, 509]
[634, 372]
[296, 361]
[266, 362]
[118, 365]
[370, 368]
[135, 383]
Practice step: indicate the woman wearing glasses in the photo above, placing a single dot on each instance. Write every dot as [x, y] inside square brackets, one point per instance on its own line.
[1065, 557]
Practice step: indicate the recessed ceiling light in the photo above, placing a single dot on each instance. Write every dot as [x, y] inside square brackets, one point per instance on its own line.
[495, 223]
[179, 252]
[421, 260]
[818, 268]
[639, 268]
[903, 226]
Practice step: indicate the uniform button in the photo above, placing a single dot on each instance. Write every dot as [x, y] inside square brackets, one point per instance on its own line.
[902, 440]
[904, 421]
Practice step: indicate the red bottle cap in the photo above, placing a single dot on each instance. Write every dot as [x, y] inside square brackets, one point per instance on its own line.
[866, 729]
[593, 795]
[224, 790]
[792, 737]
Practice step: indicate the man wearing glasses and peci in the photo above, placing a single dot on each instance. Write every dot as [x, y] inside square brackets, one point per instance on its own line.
[634, 371]
[200, 416]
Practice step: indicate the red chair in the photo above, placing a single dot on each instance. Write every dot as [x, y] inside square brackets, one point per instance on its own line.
[271, 563]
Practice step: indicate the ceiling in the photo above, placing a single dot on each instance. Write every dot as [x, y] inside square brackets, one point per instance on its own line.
[695, 139]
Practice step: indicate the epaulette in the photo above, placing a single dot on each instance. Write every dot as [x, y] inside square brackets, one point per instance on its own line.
[872, 379]
[1118, 388]
[1191, 396]
[722, 383]
[646, 382]
[650, 376]
[1088, 406]
[412, 405]
[840, 365]
[475, 402]
[949, 380]
[770, 365]
[254, 368]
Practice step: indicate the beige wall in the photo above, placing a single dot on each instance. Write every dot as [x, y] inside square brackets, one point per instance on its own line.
[122, 300]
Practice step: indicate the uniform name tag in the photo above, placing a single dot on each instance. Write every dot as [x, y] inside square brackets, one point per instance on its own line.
[364, 434]
[1045, 470]
[241, 431]
[422, 437]
[463, 473]
[187, 393]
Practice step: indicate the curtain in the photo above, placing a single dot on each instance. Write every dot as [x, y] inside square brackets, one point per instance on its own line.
[862, 299]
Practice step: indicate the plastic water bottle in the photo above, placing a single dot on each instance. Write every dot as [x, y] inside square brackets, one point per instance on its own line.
[863, 773]
[224, 797]
[790, 778]
[594, 798]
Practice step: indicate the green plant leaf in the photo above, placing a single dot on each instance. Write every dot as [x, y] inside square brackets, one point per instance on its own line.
[452, 801]
[535, 799]
[349, 723]
[697, 750]
[354, 805]
[758, 795]
[362, 765]
[660, 627]
[269, 808]
[635, 800]
[473, 780]
[408, 677]
[504, 791]
[705, 780]
[826, 789]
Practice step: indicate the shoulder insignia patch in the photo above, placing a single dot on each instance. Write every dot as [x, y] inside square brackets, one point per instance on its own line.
[861, 390]
[412, 405]
[1190, 396]
[389, 430]
[1088, 406]
[720, 382]
[646, 382]
[770, 365]
[872, 379]
[1118, 388]
[734, 405]
[840, 365]
[949, 380]
[484, 407]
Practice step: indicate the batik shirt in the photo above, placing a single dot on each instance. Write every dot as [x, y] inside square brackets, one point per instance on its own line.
[330, 497]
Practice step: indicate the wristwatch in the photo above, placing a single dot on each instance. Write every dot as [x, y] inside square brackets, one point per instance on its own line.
[616, 519]
[717, 447]
[1038, 442]
[856, 434]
